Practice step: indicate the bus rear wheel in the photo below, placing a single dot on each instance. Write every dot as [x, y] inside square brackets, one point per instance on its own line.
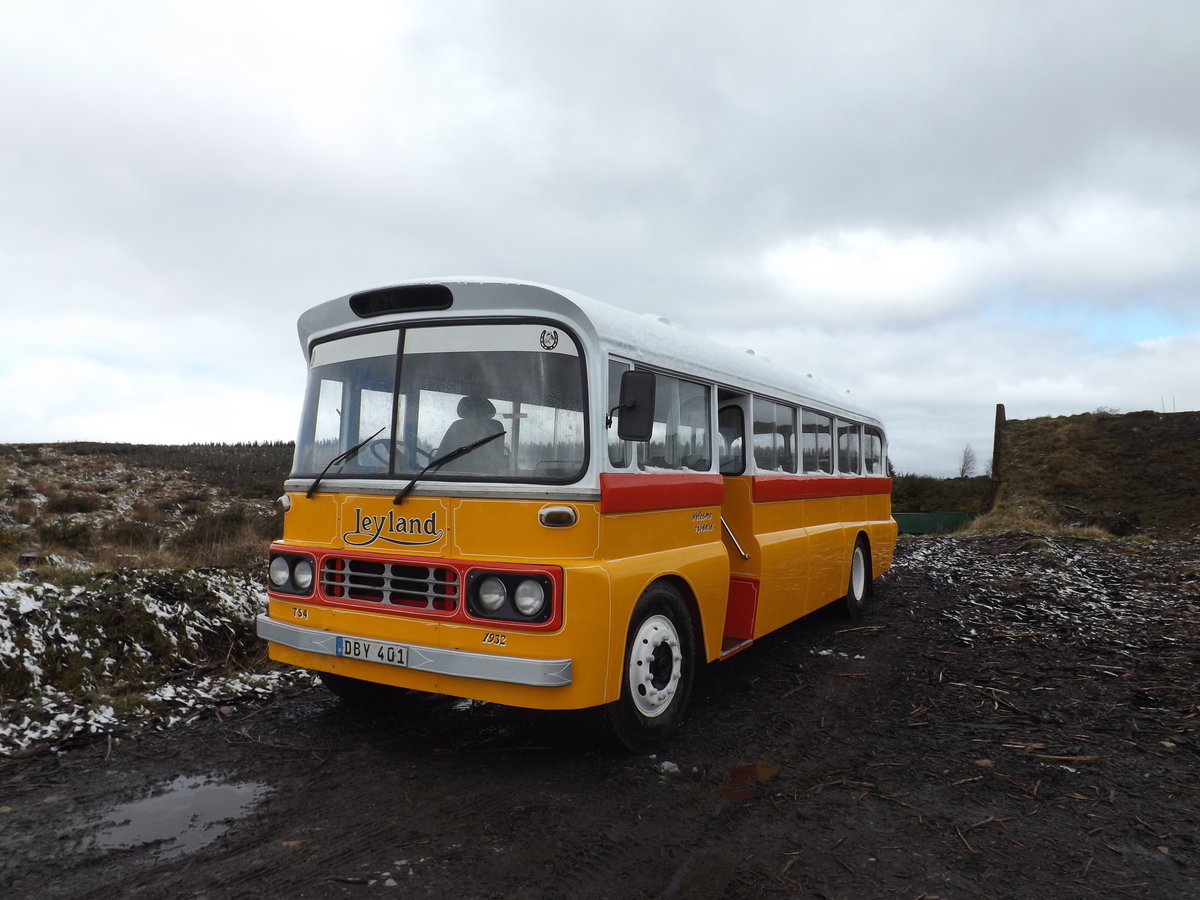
[657, 676]
[859, 589]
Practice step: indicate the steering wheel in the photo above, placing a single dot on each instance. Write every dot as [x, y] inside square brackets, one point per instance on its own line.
[382, 450]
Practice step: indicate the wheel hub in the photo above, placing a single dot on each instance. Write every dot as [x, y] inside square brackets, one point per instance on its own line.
[655, 666]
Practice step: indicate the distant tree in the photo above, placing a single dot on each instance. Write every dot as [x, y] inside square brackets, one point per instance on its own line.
[966, 465]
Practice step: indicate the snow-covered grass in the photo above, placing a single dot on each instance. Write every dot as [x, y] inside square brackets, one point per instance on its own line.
[1120, 596]
[123, 649]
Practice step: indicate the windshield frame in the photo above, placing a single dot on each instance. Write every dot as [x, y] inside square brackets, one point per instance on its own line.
[397, 473]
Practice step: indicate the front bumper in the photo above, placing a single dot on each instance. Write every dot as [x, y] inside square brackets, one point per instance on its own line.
[437, 660]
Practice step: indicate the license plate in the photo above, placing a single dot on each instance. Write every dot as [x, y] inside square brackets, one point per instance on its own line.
[373, 651]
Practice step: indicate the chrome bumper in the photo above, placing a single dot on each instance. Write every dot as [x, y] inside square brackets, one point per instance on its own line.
[461, 663]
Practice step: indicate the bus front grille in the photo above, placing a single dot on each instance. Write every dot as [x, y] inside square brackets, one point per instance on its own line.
[390, 584]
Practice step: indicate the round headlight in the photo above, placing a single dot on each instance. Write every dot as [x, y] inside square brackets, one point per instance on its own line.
[302, 574]
[279, 571]
[530, 598]
[492, 594]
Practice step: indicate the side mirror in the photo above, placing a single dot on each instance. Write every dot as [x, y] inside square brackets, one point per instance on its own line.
[635, 421]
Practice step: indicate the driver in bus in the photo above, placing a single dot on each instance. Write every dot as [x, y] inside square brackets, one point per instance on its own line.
[476, 420]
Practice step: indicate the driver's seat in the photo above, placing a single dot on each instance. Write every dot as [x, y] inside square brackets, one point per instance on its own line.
[474, 423]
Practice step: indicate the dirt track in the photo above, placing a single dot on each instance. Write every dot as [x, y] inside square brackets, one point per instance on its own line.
[1016, 718]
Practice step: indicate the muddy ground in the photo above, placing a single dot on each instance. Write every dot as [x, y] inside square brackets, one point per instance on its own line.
[1017, 717]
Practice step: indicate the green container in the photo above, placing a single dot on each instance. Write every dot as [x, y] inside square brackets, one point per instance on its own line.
[936, 522]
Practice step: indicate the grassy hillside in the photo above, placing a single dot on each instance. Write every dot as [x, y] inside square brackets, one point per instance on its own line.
[1097, 467]
[107, 506]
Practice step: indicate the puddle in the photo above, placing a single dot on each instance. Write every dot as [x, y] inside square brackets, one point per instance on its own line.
[181, 817]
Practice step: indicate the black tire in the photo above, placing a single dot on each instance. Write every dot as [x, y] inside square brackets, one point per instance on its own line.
[656, 678]
[858, 591]
[364, 696]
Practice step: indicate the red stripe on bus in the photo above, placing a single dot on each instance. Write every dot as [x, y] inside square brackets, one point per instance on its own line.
[645, 491]
[817, 487]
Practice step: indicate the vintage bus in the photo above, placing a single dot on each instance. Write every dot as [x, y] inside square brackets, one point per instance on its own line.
[515, 494]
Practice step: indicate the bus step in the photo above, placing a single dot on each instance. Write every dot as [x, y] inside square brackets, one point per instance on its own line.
[732, 645]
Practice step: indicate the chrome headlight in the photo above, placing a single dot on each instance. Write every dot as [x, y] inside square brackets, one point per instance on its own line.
[525, 598]
[492, 594]
[291, 573]
[279, 571]
[529, 598]
[302, 574]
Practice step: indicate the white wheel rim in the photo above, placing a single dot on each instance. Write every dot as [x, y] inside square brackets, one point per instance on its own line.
[655, 666]
[858, 574]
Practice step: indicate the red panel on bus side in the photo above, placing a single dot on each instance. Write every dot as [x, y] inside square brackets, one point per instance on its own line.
[643, 491]
[742, 609]
[815, 487]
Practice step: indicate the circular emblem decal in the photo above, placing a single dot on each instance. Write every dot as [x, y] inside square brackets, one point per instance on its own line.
[549, 339]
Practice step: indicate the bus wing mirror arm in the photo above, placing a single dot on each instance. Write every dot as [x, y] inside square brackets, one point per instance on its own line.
[636, 406]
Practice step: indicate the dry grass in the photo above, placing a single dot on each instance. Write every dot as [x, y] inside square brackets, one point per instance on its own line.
[1031, 515]
[127, 510]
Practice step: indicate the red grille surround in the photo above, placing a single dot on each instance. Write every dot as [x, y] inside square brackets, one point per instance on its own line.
[414, 586]
[433, 588]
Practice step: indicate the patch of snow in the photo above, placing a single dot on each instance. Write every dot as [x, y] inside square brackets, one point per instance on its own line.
[44, 627]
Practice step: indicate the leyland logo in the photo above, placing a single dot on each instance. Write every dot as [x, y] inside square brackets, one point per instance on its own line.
[393, 529]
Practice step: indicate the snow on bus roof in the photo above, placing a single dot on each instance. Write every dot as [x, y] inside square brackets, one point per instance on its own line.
[665, 344]
[641, 337]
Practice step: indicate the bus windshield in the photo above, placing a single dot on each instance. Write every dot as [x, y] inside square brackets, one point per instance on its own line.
[419, 393]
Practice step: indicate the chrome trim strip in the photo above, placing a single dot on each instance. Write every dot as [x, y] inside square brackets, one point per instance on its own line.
[545, 493]
[462, 663]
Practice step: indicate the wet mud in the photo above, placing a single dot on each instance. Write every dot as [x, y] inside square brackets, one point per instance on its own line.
[1016, 717]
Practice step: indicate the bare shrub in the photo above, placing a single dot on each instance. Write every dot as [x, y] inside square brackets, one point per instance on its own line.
[132, 535]
[238, 536]
[66, 534]
[25, 512]
[114, 559]
[145, 513]
[74, 503]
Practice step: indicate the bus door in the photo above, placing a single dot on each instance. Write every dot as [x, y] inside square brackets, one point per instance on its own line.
[737, 524]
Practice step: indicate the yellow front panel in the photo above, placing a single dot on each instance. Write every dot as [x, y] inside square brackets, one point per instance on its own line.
[607, 560]
[476, 528]
[509, 529]
[312, 522]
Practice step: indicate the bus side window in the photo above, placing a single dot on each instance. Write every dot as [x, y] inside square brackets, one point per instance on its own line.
[774, 436]
[872, 451]
[818, 442]
[849, 448]
[731, 428]
[682, 437]
[619, 453]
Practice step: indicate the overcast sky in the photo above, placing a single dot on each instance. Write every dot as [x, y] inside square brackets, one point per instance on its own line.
[937, 206]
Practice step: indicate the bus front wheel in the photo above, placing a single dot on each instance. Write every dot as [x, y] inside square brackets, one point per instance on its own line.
[657, 676]
[859, 588]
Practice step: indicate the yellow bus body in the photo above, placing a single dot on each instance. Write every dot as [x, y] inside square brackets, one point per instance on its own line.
[799, 555]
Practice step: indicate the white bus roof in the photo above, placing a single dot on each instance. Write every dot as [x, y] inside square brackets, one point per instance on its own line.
[639, 337]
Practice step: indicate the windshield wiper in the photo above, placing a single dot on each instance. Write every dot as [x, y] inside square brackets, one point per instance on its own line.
[342, 457]
[442, 460]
